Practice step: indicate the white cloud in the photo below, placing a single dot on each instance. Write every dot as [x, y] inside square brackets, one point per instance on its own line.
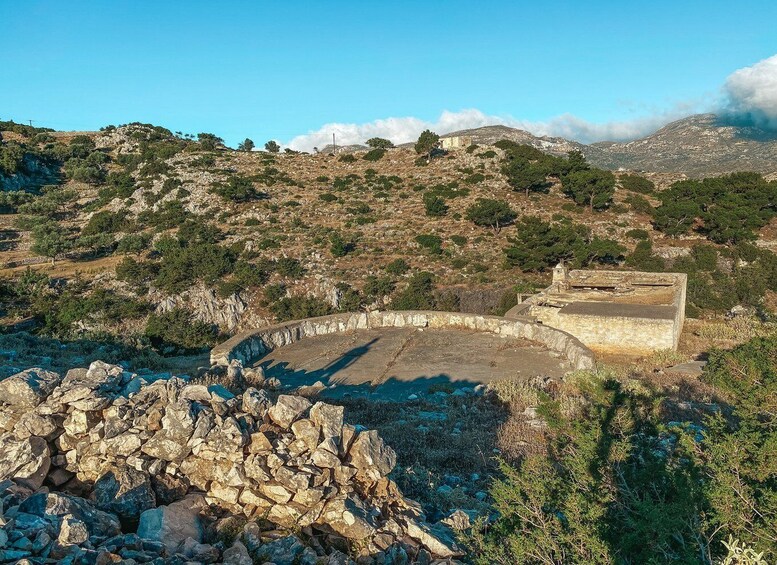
[406, 129]
[752, 93]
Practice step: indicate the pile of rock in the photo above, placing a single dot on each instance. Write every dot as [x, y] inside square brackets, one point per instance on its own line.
[160, 459]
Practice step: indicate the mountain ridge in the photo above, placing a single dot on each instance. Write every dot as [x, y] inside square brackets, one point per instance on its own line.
[696, 145]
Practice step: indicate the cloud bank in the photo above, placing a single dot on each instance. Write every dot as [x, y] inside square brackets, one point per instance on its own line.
[749, 95]
[752, 94]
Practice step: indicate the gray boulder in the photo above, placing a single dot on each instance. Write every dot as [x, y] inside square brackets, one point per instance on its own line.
[172, 524]
[27, 460]
[28, 388]
[125, 492]
[287, 409]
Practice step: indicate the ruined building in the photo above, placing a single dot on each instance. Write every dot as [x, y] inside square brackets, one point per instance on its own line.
[612, 311]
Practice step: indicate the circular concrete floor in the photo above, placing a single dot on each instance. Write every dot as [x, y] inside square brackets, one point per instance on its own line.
[396, 362]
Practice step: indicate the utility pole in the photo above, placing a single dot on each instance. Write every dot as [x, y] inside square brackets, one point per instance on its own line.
[334, 144]
[30, 122]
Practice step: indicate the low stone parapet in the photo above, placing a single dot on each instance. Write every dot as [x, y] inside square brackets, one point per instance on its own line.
[251, 345]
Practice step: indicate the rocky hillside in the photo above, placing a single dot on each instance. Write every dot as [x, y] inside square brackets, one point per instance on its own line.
[698, 145]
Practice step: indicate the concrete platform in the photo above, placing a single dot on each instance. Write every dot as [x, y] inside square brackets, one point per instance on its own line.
[396, 362]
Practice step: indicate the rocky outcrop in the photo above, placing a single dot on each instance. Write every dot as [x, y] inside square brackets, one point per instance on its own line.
[163, 459]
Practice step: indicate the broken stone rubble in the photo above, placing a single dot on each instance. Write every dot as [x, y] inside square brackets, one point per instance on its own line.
[164, 459]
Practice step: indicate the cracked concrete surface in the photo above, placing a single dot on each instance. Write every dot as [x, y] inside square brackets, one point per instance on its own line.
[401, 361]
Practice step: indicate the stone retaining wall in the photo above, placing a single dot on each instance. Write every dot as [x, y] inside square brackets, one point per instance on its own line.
[250, 345]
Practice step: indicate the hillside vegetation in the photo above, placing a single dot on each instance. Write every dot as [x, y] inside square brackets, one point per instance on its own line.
[185, 240]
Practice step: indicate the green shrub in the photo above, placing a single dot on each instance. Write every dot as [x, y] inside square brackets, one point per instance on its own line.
[347, 158]
[491, 213]
[432, 243]
[397, 267]
[180, 329]
[418, 295]
[289, 267]
[327, 197]
[434, 206]
[238, 189]
[637, 234]
[299, 307]
[636, 183]
[374, 155]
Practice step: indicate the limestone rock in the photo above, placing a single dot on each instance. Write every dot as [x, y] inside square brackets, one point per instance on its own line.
[368, 452]
[329, 418]
[288, 551]
[237, 555]
[256, 402]
[287, 409]
[439, 538]
[349, 517]
[72, 531]
[125, 492]
[172, 524]
[28, 388]
[28, 459]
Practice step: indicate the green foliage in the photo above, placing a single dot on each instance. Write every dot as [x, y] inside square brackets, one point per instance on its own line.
[289, 267]
[246, 145]
[434, 206]
[642, 258]
[340, 247]
[527, 169]
[432, 243]
[459, 240]
[448, 191]
[136, 273]
[636, 183]
[638, 234]
[591, 187]
[418, 295]
[738, 450]
[378, 287]
[610, 488]
[639, 204]
[327, 197]
[397, 267]
[107, 222]
[539, 244]
[374, 155]
[209, 141]
[192, 256]
[11, 201]
[379, 143]
[238, 189]
[50, 239]
[427, 142]
[272, 146]
[299, 307]
[491, 213]
[180, 329]
[134, 243]
[347, 158]
[727, 209]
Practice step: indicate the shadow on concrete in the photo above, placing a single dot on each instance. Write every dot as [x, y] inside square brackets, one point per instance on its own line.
[385, 387]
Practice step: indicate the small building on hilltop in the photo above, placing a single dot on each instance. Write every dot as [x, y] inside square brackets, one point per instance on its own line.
[455, 142]
[621, 312]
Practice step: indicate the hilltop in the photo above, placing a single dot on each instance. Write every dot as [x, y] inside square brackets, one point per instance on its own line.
[698, 145]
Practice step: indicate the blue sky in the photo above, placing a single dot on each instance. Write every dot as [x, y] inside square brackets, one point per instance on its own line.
[282, 69]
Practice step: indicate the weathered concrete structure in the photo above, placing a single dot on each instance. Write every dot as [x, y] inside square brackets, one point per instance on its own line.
[612, 311]
[249, 346]
[455, 142]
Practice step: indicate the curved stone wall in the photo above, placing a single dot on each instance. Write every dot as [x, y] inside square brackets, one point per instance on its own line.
[251, 345]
